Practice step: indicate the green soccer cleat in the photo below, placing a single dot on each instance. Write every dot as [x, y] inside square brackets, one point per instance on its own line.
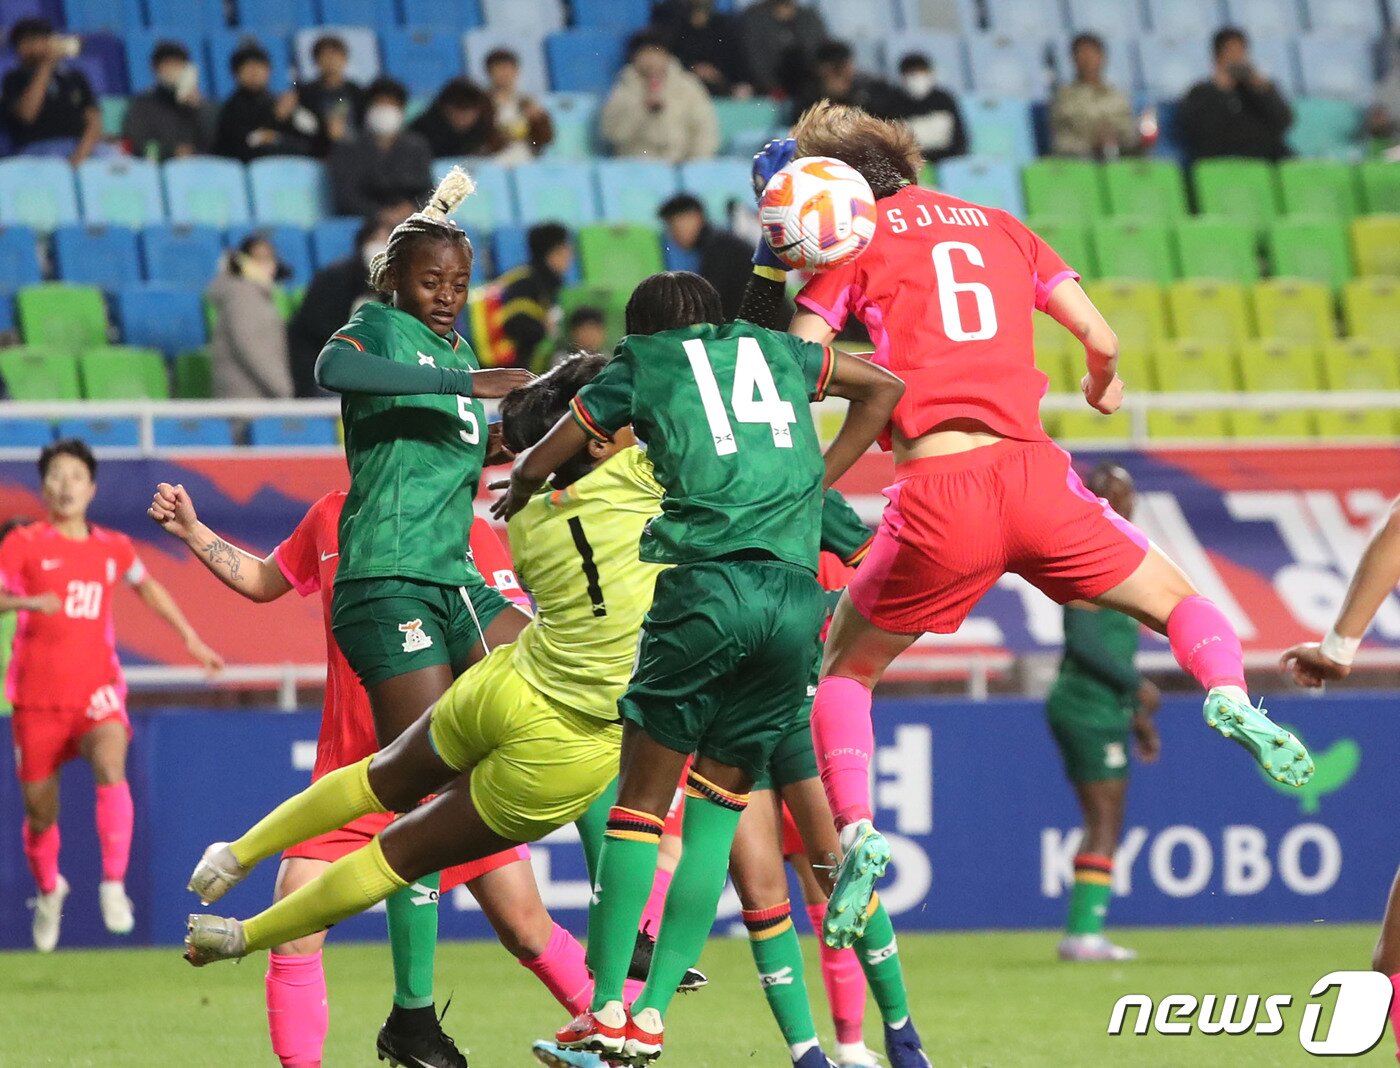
[863, 863]
[1278, 751]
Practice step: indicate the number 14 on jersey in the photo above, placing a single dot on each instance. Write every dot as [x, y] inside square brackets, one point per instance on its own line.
[754, 398]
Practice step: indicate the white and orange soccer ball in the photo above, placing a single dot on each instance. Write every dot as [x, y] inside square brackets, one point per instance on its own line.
[817, 213]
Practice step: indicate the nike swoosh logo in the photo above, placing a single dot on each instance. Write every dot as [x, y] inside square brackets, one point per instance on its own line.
[328, 556]
[49, 565]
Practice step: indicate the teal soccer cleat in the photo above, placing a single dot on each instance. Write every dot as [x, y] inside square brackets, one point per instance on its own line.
[559, 1057]
[864, 862]
[1277, 750]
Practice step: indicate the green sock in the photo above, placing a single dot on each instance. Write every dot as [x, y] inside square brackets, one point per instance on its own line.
[626, 867]
[1088, 901]
[592, 825]
[413, 929]
[778, 955]
[879, 958]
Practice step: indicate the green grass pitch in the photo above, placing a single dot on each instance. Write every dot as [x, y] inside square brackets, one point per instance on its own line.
[980, 999]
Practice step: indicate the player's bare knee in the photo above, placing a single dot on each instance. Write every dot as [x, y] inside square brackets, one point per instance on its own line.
[301, 947]
[524, 933]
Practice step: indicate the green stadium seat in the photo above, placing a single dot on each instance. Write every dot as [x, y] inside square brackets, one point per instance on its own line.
[1145, 189]
[1243, 189]
[1135, 248]
[1192, 367]
[1356, 423]
[1089, 425]
[1213, 247]
[1294, 309]
[1375, 239]
[1278, 365]
[744, 125]
[1209, 312]
[1070, 238]
[1064, 189]
[618, 256]
[1136, 311]
[119, 372]
[61, 316]
[1380, 187]
[1371, 308]
[1361, 364]
[1272, 424]
[36, 374]
[612, 302]
[1053, 344]
[1326, 189]
[194, 375]
[1310, 248]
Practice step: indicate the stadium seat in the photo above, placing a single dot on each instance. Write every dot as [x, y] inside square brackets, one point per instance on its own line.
[1374, 423]
[1109, 18]
[943, 50]
[990, 182]
[161, 317]
[40, 374]
[1243, 189]
[1210, 312]
[717, 182]
[1183, 16]
[1361, 365]
[140, 43]
[527, 44]
[61, 316]
[288, 190]
[333, 239]
[1323, 128]
[625, 15]
[1212, 247]
[1323, 188]
[555, 192]
[103, 433]
[632, 189]
[1083, 425]
[278, 16]
[1145, 189]
[1371, 308]
[206, 191]
[380, 13]
[1192, 367]
[1280, 365]
[104, 256]
[276, 430]
[1055, 348]
[293, 249]
[1007, 66]
[999, 128]
[1070, 238]
[1025, 18]
[194, 375]
[176, 432]
[25, 433]
[181, 255]
[103, 16]
[618, 256]
[1380, 186]
[1337, 66]
[1174, 61]
[37, 192]
[1265, 424]
[120, 192]
[1064, 189]
[1345, 16]
[584, 61]
[1136, 310]
[493, 203]
[1295, 309]
[1278, 17]
[360, 41]
[611, 302]
[524, 16]
[223, 44]
[122, 372]
[456, 13]
[421, 57]
[19, 257]
[575, 117]
[1375, 240]
[1132, 248]
[745, 125]
[1310, 248]
[1274, 57]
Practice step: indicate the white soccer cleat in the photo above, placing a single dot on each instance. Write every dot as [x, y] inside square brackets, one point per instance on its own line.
[212, 938]
[216, 873]
[1093, 947]
[116, 907]
[48, 916]
[854, 1055]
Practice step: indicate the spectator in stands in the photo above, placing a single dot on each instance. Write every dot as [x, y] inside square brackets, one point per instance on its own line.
[725, 260]
[461, 121]
[171, 118]
[50, 109]
[931, 111]
[384, 163]
[1383, 120]
[524, 125]
[835, 78]
[1088, 117]
[780, 40]
[1238, 112]
[249, 348]
[335, 102]
[253, 122]
[707, 44]
[657, 108]
[586, 330]
[522, 306]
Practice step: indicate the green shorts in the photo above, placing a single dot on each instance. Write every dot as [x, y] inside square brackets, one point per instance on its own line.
[390, 626]
[1092, 731]
[795, 757]
[725, 658]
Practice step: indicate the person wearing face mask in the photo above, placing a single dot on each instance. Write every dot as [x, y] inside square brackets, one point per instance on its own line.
[171, 119]
[931, 111]
[249, 348]
[384, 163]
[657, 108]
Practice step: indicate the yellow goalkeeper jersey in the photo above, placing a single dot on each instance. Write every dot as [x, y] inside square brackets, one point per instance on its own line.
[576, 551]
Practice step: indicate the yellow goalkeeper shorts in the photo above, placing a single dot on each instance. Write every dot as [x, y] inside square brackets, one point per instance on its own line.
[535, 765]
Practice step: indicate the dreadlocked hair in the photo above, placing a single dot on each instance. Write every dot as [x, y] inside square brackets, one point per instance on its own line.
[671, 300]
[884, 151]
[529, 411]
[431, 223]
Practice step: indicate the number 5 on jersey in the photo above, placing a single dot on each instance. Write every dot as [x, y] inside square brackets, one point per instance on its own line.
[472, 434]
[751, 376]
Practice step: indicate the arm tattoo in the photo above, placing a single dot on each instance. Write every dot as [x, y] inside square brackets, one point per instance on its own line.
[224, 556]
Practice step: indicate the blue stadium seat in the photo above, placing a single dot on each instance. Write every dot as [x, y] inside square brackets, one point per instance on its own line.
[276, 430]
[1174, 62]
[632, 189]
[197, 17]
[483, 262]
[333, 239]
[19, 257]
[994, 183]
[679, 259]
[282, 16]
[174, 432]
[123, 192]
[361, 42]
[493, 203]
[380, 13]
[206, 191]
[110, 16]
[943, 50]
[160, 317]
[1326, 128]
[13, 10]
[626, 15]
[510, 249]
[1003, 65]
[584, 61]
[421, 57]
[575, 118]
[454, 13]
[1274, 56]
[25, 433]
[103, 60]
[104, 256]
[716, 182]
[524, 16]
[140, 43]
[1184, 18]
[1336, 67]
[37, 192]
[291, 244]
[185, 256]
[1026, 19]
[1280, 18]
[103, 433]
[529, 46]
[999, 129]
[223, 44]
[548, 191]
[288, 189]
[1107, 18]
[1344, 17]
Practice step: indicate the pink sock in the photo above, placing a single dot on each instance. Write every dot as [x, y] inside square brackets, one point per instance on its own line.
[656, 903]
[1395, 1012]
[41, 850]
[630, 989]
[297, 1014]
[562, 971]
[845, 984]
[844, 739]
[114, 820]
[1205, 644]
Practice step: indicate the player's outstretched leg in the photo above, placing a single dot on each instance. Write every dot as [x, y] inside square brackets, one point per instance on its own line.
[864, 856]
[878, 951]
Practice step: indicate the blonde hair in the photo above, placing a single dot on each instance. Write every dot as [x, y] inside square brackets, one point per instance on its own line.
[885, 151]
[432, 221]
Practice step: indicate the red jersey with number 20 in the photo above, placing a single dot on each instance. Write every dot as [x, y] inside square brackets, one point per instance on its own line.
[947, 290]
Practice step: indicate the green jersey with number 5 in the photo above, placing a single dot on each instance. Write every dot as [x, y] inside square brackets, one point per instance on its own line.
[724, 412]
[414, 461]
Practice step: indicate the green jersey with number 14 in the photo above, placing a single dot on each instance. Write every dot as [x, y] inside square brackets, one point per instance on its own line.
[724, 412]
[414, 461]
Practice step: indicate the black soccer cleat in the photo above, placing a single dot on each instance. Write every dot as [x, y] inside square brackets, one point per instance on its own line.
[640, 967]
[414, 1038]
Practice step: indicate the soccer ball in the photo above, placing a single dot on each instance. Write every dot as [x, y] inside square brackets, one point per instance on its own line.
[817, 213]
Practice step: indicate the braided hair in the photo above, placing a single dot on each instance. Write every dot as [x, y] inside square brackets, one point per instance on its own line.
[671, 300]
[432, 223]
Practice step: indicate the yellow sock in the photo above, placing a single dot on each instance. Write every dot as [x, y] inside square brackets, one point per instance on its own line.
[349, 886]
[331, 801]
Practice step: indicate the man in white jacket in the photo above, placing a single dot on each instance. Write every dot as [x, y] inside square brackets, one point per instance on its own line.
[657, 108]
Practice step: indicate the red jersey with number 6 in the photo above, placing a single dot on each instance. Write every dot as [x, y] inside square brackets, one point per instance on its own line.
[947, 290]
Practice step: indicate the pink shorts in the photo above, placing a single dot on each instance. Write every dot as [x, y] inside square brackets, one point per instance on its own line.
[47, 738]
[955, 524]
